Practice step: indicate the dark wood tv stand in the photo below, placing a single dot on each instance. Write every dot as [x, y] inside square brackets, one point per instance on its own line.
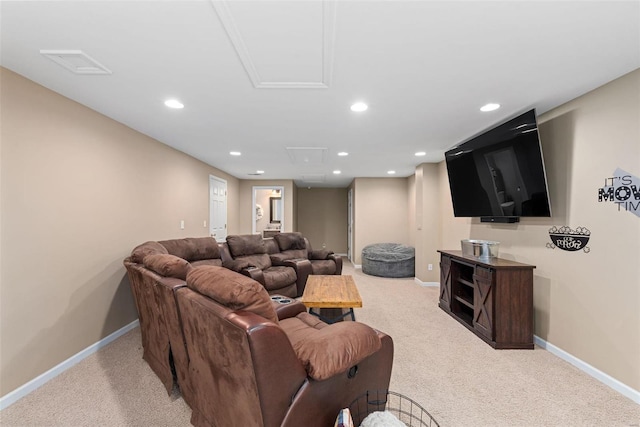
[492, 298]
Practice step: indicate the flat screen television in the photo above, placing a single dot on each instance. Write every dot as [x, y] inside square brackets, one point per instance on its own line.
[499, 175]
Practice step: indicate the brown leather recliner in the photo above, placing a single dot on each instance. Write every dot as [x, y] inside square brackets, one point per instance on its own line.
[156, 270]
[249, 368]
[293, 245]
[251, 255]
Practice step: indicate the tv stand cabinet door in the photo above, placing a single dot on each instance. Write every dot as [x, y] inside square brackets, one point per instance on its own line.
[445, 283]
[483, 296]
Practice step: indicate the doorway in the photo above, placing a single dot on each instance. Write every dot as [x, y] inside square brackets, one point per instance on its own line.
[217, 208]
[268, 210]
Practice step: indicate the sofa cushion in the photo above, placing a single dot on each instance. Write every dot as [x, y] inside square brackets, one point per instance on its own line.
[167, 265]
[246, 244]
[261, 261]
[289, 254]
[320, 254]
[279, 277]
[329, 351]
[215, 261]
[237, 264]
[193, 248]
[204, 248]
[139, 252]
[232, 290]
[287, 241]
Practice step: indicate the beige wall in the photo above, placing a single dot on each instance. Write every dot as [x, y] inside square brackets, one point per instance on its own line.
[381, 212]
[79, 191]
[322, 217]
[587, 304]
[245, 209]
[427, 233]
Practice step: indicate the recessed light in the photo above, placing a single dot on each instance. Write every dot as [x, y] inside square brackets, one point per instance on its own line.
[343, 153]
[421, 153]
[359, 107]
[336, 172]
[489, 107]
[173, 103]
[391, 172]
[259, 172]
[235, 153]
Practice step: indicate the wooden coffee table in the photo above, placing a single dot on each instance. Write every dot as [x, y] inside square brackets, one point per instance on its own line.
[331, 291]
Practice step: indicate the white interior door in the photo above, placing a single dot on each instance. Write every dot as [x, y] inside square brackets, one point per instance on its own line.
[218, 208]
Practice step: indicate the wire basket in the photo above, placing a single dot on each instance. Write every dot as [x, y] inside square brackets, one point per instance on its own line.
[403, 408]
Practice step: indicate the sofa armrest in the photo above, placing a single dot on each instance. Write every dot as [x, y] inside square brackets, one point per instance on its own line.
[278, 372]
[292, 309]
[338, 260]
[303, 269]
[255, 273]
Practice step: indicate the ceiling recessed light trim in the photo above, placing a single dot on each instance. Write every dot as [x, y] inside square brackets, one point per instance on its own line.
[235, 153]
[174, 103]
[343, 154]
[420, 153]
[391, 172]
[337, 172]
[359, 107]
[489, 107]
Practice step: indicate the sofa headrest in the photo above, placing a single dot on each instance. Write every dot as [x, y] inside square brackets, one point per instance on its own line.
[193, 248]
[139, 252]
[233, 290]
[246, 244]
[288, 241]
[167, 265]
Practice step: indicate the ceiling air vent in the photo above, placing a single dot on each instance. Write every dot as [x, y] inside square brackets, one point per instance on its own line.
[307, 155]
[313, 179]
[76, 61]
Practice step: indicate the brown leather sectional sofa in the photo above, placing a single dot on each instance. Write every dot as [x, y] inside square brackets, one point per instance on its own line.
[238, 355]
[281, 264]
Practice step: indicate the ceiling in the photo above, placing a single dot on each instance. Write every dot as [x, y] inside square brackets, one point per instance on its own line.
[274, 80]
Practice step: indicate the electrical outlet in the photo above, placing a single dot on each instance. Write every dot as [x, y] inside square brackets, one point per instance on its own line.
[182, 224]
[430, 267]
[204, 224]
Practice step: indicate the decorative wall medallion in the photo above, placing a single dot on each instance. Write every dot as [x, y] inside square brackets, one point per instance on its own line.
[569, 240]
[623, 189]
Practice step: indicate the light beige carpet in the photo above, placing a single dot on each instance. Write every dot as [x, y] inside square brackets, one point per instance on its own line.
[438, 363]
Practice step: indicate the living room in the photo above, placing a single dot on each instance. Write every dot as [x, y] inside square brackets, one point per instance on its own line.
[80, 190]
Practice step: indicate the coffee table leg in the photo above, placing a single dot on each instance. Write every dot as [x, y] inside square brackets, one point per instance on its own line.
[335, 319]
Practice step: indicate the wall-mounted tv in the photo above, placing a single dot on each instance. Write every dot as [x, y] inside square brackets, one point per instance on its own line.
[499, 175]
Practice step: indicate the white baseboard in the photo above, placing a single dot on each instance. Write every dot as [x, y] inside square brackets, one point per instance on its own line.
[421, 283]
[356, 266]
[17, 394]
[618, 386]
